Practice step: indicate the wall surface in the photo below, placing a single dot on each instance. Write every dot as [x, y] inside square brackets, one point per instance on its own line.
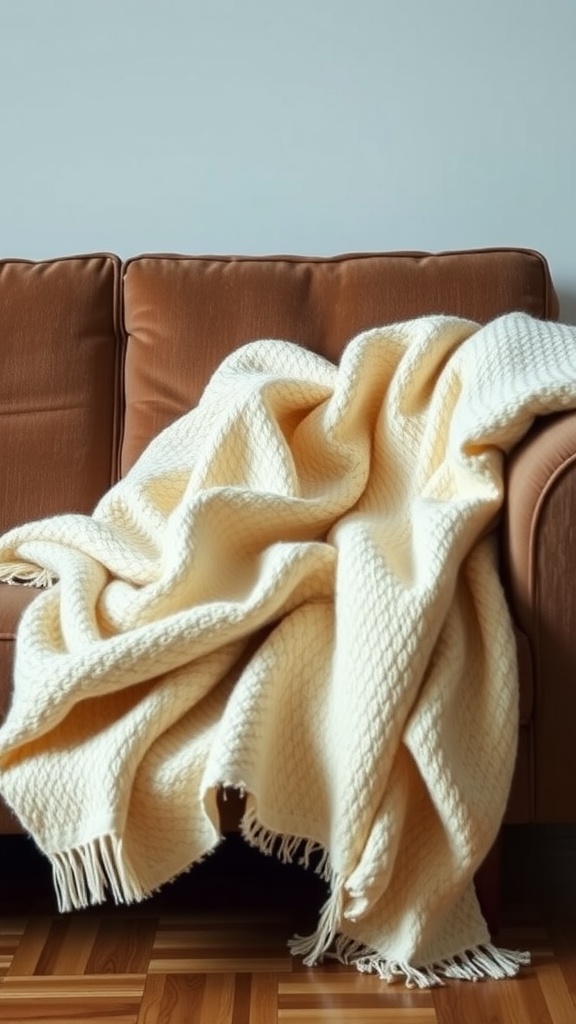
[307, 126]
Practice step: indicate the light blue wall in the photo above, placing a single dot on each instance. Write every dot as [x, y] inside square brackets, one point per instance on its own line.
[309, 126]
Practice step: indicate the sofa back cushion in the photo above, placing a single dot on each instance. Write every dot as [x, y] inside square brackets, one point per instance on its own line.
[60, 355]
[184, 314]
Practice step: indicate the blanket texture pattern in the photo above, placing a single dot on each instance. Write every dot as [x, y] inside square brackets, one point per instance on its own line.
[294, 592]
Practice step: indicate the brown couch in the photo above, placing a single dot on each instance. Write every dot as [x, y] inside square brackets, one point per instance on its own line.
[98, 355]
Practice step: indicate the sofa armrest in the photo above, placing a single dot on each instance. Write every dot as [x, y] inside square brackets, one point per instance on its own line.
[539, 552]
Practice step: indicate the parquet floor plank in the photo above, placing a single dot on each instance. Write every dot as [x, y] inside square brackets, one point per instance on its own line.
[122, 946]
[318, 981]
[556, 993]
[73, 999]
[263, 998]
[68, 946]
[173, 998]
[356, 1015]
[321, 993]
[31, 946]
[516, 1001]
[218, 1001]
[242, 999]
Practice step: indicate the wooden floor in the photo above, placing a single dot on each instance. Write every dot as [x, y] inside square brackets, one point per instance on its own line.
[211, 949]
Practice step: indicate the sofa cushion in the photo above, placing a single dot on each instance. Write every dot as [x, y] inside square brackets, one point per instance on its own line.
[60, 347]
[183, 314]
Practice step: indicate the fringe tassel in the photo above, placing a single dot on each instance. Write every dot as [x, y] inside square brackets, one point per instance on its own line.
[313, 947]
[83, 875]
[481, 963]
[23, 574]
[288, 849]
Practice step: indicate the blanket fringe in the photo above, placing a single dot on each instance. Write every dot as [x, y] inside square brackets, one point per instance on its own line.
[312, 948]
[483, 962]
[289, 849]
[83, 875]
[23, 574]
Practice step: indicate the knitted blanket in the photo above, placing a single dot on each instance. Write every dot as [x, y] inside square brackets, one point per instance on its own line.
[294, 592]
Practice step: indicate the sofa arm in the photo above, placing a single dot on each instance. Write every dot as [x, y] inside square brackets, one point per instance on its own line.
[539, 553]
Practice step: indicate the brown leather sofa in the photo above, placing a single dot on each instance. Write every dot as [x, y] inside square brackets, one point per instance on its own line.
[97, 355]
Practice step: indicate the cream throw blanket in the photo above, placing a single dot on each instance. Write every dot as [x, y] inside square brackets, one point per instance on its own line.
[294, 592]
